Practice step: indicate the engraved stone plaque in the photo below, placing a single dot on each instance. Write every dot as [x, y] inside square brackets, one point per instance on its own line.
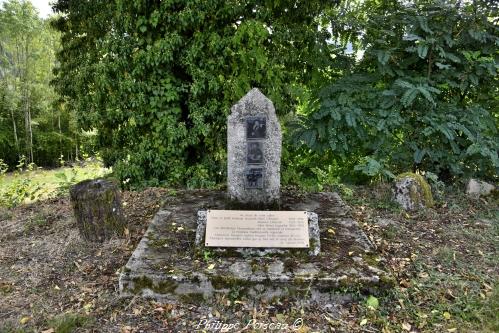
[254, 178]
[255, 152]
[256, 127]
[245, 228]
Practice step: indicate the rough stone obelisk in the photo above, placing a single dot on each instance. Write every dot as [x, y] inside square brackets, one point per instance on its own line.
[253, 151]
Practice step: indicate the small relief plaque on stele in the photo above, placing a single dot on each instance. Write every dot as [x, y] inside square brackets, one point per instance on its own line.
[256, 127]
[245, 228]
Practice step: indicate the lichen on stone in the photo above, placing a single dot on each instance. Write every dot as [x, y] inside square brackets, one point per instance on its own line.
[425, 198]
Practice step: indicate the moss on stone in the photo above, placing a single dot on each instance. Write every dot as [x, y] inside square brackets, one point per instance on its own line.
[220, 282]
[290, 264]
[299, 280]
[371, 259]
[192, 298]
[143, 282]
[157, 243]
[312, 243]
[423, 184]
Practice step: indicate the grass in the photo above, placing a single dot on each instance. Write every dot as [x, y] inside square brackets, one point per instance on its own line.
[68, 322]
[31, 185]
[448, 282]
[38, 221]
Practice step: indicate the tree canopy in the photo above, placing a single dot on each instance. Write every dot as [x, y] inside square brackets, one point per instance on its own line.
[372, 88]
[157, 79]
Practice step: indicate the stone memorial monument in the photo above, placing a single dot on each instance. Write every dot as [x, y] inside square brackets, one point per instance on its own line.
[253, 151]
[198, 245]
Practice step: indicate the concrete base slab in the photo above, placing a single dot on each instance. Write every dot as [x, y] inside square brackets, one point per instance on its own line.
[168, 265]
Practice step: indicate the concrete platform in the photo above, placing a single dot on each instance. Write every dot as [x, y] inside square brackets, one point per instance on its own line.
[168, 265]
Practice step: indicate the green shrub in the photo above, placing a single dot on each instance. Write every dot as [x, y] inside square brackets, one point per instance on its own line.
[422, 97]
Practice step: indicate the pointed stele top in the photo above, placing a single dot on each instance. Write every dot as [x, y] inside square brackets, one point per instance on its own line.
[253, 150]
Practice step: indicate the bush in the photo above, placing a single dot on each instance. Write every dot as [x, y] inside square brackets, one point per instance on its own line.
[420, 98]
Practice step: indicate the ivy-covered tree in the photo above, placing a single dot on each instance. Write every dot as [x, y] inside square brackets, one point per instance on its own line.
[419, 91]
[157, 78]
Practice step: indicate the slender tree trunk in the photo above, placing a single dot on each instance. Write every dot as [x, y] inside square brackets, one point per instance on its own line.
[26, 123]
[27, 115]
[30, 131]
[16, 140]
[60, 132]
[76, 146]
[17, 74]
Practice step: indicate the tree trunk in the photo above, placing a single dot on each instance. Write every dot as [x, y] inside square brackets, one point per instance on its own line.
[76, 147]
[16, 140]
[30, 132]
[97, 209]
[60, 131]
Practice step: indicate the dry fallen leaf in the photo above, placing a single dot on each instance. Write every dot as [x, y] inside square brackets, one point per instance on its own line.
[303, 329]
[406, 326]
[159, 309]
[405, 283]
[24, 320]
[126, 329]
[423, 275]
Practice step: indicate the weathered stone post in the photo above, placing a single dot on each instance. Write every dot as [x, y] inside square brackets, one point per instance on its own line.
[97, 209]
[253, 151]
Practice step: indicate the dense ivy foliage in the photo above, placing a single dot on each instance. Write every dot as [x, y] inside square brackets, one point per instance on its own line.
[423, 96]
[379, 87]
[157, 78]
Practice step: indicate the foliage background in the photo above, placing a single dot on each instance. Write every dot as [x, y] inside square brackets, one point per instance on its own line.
[159, 84]
[364, 89]
[423, 96]
[34, 126]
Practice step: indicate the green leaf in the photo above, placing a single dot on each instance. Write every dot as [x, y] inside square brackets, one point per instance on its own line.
[383, 56]
[442, 66]
[350, 119]
[422, 50]
[452, 57]
[404, 84]
[409, 96]
[418, 155]
[446, 131]
[372, 302]
[426, 94]
[423, 23]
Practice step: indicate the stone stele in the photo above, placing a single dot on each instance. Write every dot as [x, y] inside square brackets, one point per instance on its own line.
[253, 178]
